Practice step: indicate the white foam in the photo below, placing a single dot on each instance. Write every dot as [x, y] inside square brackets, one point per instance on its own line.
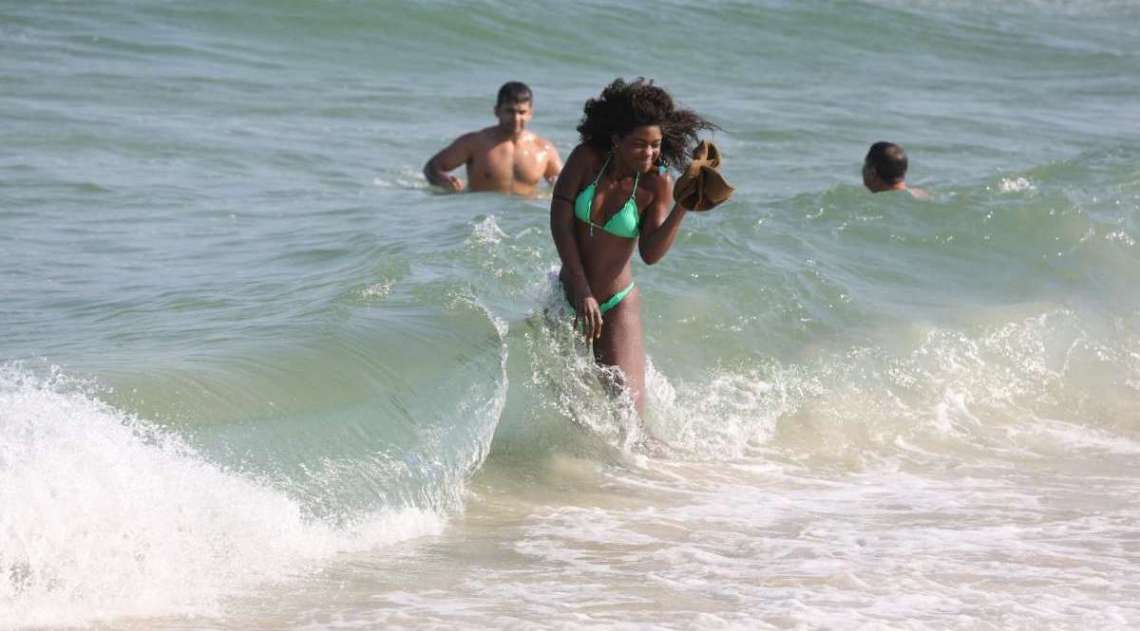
[720, 415]
[404, 177]
[1121, 237]
[103, 516]
[1056, 436]
[377, 291]
[1015, 185]
[953, 395]
[488, 232]
[882, 549]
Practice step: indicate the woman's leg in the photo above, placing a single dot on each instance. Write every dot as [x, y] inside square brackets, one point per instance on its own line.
[621, 345]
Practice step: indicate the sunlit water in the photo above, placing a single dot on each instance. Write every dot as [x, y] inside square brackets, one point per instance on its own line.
[254, 374]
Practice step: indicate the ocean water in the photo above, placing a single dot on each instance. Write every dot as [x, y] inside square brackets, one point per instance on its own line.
[255, 374]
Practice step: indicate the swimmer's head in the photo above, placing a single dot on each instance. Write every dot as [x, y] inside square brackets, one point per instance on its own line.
[514, 106]
[884, 168]
[640, 124]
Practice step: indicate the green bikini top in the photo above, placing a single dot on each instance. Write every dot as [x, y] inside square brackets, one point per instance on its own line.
[625, 222]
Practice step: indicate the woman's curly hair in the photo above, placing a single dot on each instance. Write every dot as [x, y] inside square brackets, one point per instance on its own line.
[622, 107]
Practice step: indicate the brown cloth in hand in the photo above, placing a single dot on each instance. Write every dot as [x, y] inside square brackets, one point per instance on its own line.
[702, 187]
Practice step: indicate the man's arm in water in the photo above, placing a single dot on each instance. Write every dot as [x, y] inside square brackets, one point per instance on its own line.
[450, 158]
[553, 162]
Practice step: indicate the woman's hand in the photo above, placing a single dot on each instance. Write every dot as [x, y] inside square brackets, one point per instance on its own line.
[588, 316]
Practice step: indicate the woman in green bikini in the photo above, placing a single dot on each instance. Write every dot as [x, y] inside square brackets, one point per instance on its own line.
[615, 193]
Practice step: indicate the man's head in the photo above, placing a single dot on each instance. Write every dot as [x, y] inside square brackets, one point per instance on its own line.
[514, 106]
[884, 168]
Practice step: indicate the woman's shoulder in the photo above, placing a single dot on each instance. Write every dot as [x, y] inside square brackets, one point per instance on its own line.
[583, 162]
[579, 167]
[586, 155]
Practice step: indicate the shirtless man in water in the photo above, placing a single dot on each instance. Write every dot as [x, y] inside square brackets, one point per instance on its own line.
[505, 158]
[884, 169]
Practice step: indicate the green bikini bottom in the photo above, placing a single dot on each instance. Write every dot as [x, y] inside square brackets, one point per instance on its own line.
[616, 299]
[610, 302]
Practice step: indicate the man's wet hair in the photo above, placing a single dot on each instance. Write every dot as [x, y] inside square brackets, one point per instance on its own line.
[889, 161]
[514, 92]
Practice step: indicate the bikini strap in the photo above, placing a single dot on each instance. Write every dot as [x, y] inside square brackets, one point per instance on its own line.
[633, 193]
[603, 169]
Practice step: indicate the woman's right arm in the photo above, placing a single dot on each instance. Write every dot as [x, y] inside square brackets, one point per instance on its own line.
[562, 229]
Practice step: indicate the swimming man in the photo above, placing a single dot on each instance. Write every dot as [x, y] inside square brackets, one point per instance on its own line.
[884, 169]
[505, 157]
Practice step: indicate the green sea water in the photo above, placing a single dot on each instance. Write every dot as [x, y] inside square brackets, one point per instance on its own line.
[255, 373]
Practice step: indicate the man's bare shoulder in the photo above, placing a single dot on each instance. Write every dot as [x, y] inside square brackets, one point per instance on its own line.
[483, 138]
[544, 143]
[469, 141]
[918, 193]
[545, 148]
[534, 141]
[551, 150]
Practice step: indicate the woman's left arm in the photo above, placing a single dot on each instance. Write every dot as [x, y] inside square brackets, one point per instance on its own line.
[659, 225]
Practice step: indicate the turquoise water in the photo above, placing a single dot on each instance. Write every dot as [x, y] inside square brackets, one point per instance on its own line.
[254, 373]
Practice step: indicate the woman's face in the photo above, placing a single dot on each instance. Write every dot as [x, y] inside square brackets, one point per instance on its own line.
[640, 148]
